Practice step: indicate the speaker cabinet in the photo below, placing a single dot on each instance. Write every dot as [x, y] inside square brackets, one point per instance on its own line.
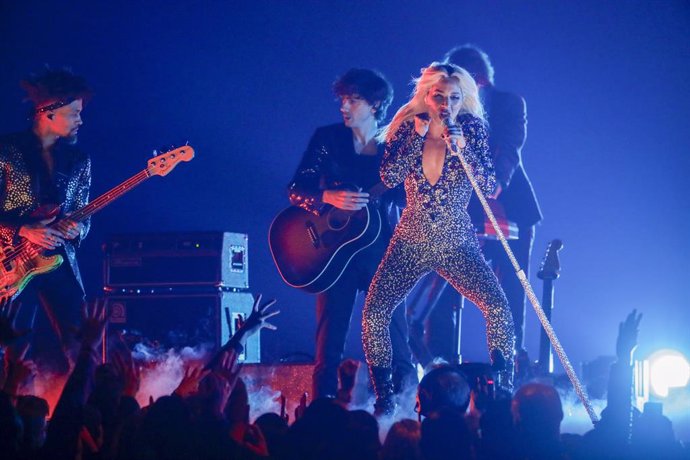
[139, 260]
[177, 320]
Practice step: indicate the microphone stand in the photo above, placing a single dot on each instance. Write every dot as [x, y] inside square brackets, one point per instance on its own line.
[558, 348]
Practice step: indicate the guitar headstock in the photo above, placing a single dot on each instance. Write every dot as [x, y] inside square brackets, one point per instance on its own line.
[166, 162]
[550, 268]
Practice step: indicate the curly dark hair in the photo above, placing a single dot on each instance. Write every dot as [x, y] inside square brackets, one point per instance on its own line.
[58, 87]
[370, 84]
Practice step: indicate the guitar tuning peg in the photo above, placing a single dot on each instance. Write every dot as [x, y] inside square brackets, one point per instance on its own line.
[154, 153]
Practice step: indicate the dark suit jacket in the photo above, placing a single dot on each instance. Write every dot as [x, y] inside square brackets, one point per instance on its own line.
[331, 161]
[507, 117]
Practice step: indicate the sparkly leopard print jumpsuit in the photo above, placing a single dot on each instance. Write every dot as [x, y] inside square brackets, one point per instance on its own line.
[435, 233]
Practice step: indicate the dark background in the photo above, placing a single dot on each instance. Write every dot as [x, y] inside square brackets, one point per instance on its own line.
[246, 83]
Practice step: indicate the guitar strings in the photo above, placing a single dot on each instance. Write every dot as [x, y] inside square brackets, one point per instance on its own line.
[110, 195]
[89, 209]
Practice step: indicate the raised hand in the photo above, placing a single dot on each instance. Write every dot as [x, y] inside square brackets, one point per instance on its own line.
[129, 372]
[93, 324]
[227, 374]
[8, 315]
[190, 381]
[421, 123]
[347, 373]
[301, 409]
[18, 370]
[283, 409]
[455, 135]
[257, 320]
[627, 337]
[227, 368]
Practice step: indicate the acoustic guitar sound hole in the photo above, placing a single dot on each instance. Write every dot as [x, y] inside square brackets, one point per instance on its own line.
[338, 219]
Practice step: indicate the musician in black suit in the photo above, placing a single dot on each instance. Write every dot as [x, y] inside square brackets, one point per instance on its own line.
[41, 167]
[507, 117]
[348, 153]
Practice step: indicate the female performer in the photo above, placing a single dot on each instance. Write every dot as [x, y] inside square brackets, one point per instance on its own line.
[435, 231]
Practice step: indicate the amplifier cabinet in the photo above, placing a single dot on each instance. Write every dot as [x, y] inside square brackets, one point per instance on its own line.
[218, 259]
[174, 321]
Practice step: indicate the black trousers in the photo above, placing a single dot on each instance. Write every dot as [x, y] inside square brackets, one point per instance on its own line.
[52, 333]
[334, 309]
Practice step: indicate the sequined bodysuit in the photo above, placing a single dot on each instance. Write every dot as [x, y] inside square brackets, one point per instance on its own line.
[435, 233]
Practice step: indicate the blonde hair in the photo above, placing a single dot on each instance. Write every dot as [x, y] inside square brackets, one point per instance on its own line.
[431, 75]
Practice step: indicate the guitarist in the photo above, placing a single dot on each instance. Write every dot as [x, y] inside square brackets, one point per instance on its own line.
[348, 153]
[41, 167]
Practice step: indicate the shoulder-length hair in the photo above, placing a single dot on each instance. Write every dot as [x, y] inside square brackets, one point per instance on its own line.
[431, 75]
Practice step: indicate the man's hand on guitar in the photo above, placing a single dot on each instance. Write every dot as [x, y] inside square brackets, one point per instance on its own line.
[69, 228]
[346, 199]
[42, 235]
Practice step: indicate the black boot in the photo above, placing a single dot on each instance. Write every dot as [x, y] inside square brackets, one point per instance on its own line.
[505, 378]
[382, 378]
[503, 369]
[404, 377]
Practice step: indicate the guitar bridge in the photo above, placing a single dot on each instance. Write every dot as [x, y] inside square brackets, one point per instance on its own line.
[313, 235]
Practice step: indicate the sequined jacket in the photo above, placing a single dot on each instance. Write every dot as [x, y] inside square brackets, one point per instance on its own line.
[439, 210]
[330, 162]
[24, 186]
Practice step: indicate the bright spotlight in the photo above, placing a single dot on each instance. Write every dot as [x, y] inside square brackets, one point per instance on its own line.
[667, 369]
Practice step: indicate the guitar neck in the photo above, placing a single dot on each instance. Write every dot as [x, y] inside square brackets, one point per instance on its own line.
[109, 196]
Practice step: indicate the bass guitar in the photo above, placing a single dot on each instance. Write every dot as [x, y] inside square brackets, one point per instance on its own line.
[312, 251]
[21, 263]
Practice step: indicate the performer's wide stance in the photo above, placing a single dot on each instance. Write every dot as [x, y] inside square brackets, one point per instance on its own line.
[435, 231]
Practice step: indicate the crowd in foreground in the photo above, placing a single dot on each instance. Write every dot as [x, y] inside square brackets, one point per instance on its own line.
[207, 415]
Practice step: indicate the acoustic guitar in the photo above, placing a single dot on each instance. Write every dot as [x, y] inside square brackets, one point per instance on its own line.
[312, 251]
[21, 263]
